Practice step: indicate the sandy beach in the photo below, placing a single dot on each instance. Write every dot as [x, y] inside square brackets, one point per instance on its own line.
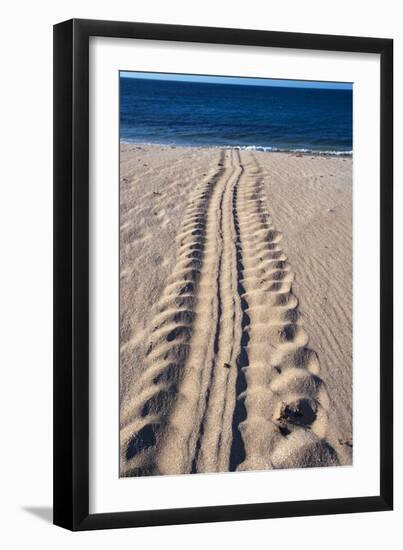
[235, 310]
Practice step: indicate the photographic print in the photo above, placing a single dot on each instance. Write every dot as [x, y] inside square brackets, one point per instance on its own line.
[235, 274]
[204, 253]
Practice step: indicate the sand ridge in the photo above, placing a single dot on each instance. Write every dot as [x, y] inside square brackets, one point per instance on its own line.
[230, 382]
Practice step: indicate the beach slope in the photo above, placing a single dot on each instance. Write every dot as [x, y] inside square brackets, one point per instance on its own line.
[235, 300]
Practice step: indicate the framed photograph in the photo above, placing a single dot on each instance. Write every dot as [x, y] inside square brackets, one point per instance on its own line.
[223, 321]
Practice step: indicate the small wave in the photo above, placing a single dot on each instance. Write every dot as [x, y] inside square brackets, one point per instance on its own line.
[262, 148]
[285, 150]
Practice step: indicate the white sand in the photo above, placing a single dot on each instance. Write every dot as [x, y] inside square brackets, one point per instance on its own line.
[235, 310]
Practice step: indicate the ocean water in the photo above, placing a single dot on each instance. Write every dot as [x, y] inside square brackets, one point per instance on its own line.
[243, 116]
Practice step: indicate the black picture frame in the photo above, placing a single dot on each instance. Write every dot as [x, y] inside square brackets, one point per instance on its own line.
[71, 274]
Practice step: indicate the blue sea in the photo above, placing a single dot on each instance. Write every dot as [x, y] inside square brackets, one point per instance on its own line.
[237, 116]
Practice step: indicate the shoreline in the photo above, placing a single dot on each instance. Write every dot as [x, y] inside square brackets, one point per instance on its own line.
[252, 148]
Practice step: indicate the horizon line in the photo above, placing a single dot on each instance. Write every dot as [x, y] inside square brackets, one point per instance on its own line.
[240, 81]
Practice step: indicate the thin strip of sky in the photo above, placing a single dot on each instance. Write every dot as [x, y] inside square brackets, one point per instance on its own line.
[238, 80]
